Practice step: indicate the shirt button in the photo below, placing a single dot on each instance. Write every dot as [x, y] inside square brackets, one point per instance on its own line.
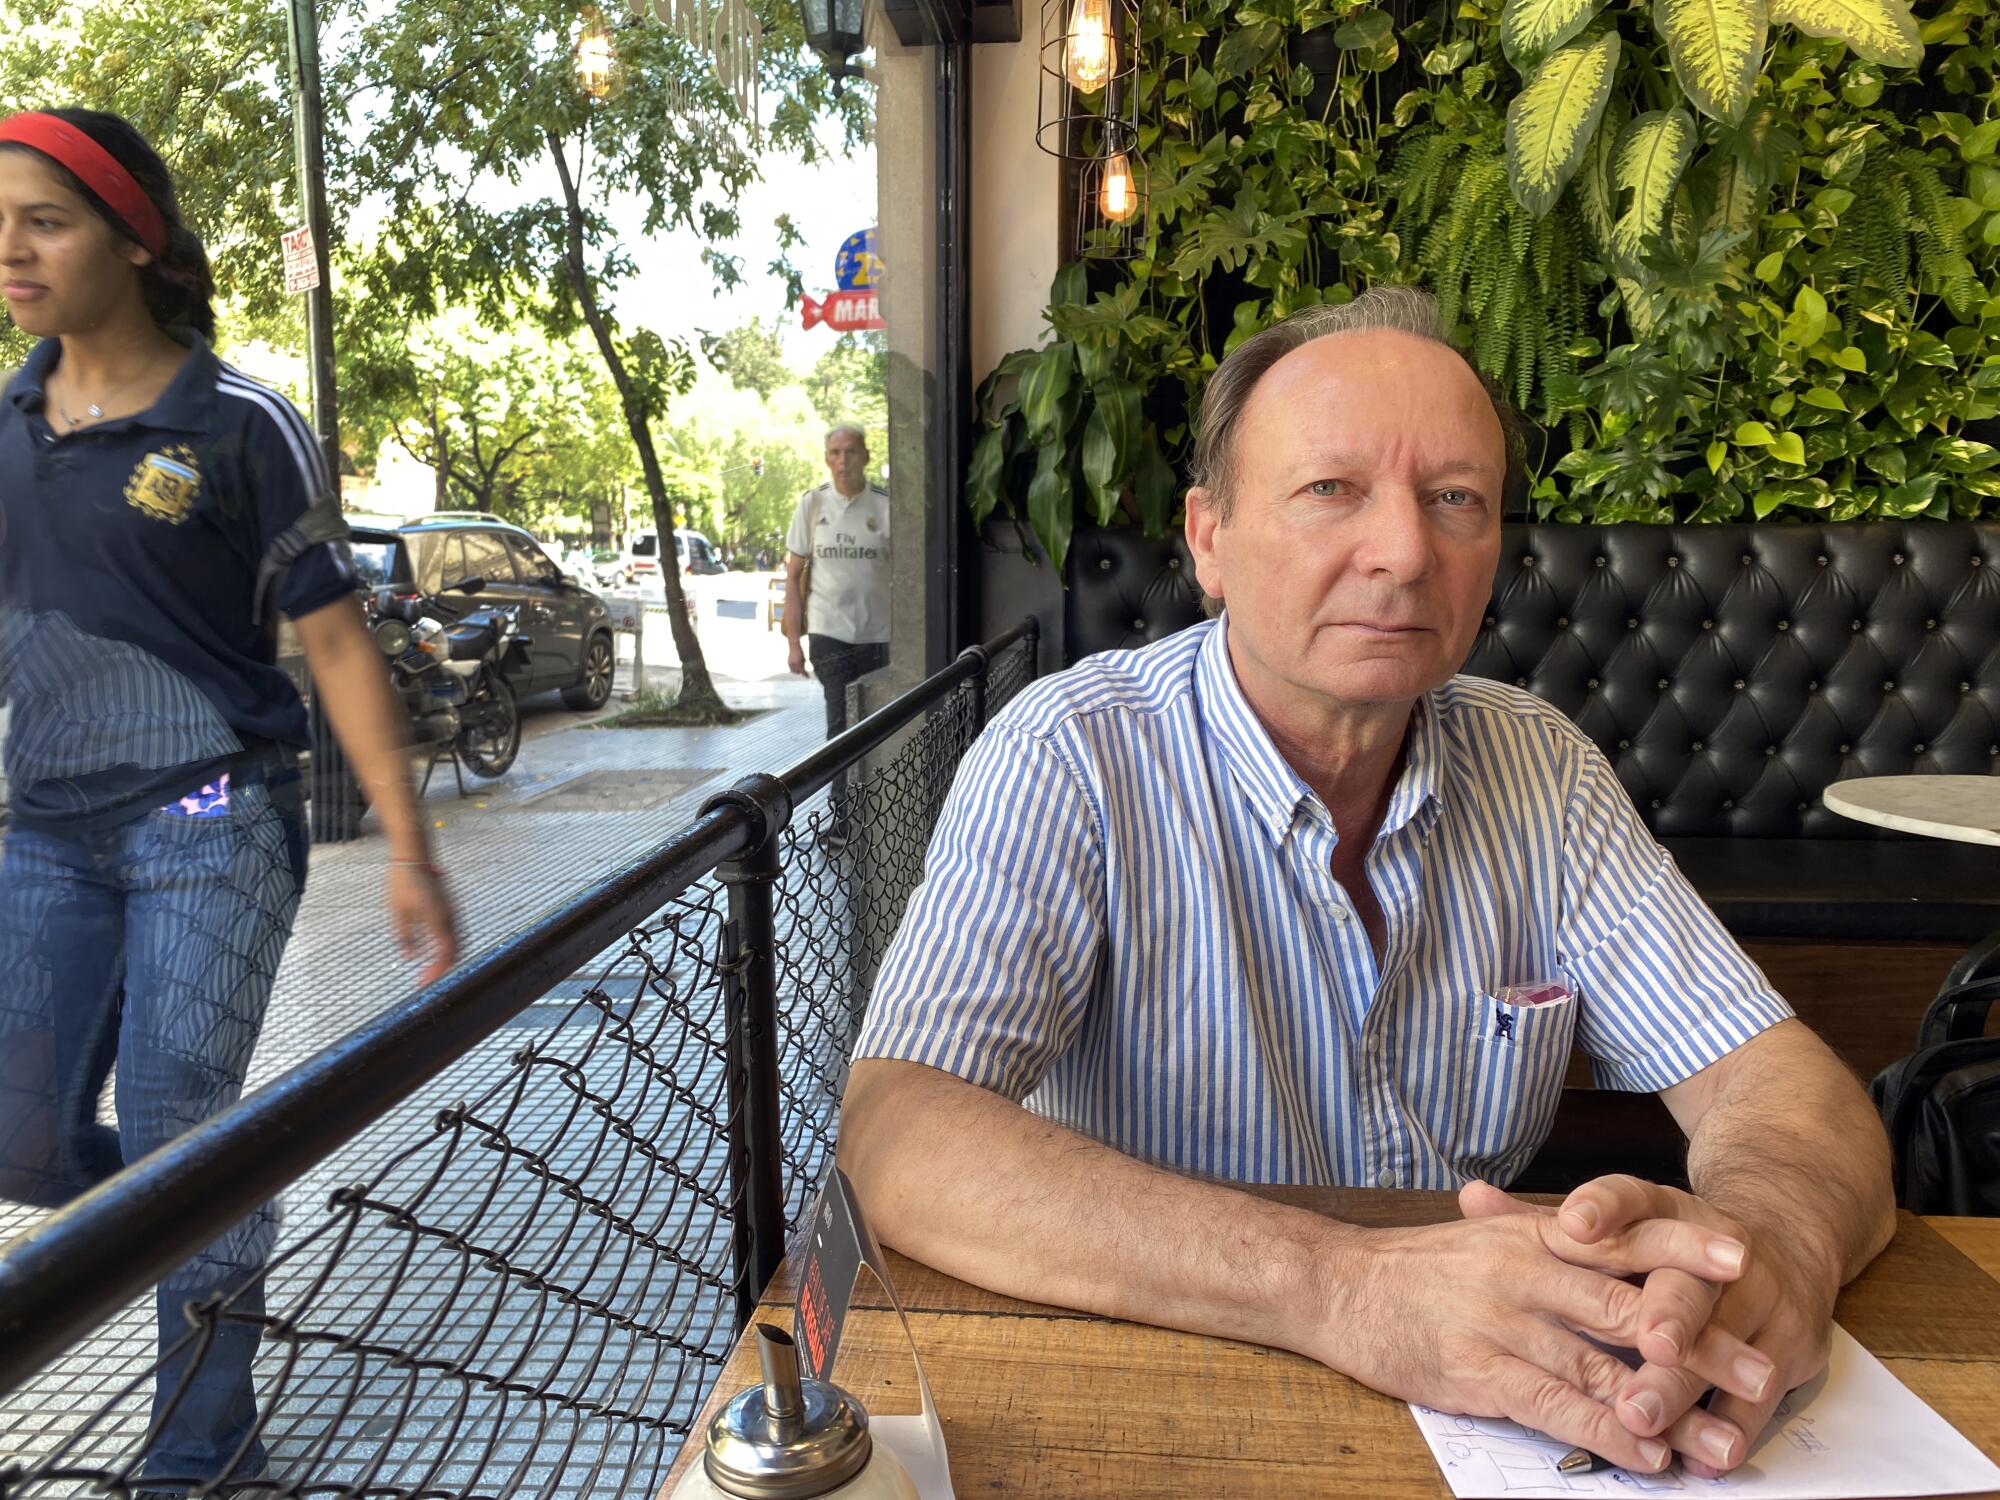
[1386, 1177]
[1340, 914]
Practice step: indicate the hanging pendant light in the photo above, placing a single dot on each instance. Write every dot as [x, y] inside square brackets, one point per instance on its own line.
[595, 60]
[1117, 194]
[1088, 107]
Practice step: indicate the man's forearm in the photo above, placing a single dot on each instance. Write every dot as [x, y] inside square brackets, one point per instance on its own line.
[1790, 1146]
[969, 1182]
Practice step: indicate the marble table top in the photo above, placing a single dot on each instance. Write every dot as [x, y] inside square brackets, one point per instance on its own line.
[1964, 808]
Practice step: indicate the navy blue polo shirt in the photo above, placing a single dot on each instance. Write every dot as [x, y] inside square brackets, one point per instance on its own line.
[140, 561]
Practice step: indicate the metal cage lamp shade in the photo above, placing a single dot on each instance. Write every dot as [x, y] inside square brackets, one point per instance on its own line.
[1088, 109]
[833, 30]
[1111, 207]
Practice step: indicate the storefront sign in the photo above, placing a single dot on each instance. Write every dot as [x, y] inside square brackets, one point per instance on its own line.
[845, 312]
[857, 271]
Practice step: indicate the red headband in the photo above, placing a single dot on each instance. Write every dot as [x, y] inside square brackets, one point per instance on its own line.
[96, 168]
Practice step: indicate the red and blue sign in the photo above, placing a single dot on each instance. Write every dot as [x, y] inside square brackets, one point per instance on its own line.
[856, 306]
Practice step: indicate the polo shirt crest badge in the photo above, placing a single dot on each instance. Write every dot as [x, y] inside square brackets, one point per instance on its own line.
[165, 484]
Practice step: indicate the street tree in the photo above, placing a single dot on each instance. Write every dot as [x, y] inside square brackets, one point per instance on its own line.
[496, 181]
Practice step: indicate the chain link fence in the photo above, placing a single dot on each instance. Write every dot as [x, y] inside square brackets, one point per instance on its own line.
[522, 1268]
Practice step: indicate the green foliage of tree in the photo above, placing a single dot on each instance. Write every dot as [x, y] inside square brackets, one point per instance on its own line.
[203, 80]
[1791, 307]
[850, 383]
[753, 357]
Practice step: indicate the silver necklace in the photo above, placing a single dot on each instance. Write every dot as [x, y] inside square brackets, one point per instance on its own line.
[94, 411]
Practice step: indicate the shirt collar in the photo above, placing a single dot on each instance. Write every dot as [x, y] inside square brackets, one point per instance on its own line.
[1275, 791]
[187, 404]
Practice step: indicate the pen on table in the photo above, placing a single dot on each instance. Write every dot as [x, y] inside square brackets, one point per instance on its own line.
[1581, 1461]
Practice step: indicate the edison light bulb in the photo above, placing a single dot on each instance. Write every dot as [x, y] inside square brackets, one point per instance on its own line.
[1090, 53]
[1117, 199]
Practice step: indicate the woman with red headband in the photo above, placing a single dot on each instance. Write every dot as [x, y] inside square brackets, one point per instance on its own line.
[157, 510]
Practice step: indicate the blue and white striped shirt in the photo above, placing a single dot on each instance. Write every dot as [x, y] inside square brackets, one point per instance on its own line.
[1128, 923]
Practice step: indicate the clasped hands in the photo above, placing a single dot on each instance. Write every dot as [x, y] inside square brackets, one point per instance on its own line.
[1487, 1317]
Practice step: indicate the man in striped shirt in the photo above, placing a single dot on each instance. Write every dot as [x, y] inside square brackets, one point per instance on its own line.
[1282, 899]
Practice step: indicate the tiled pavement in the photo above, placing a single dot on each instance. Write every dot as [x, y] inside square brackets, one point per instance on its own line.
[579, 803]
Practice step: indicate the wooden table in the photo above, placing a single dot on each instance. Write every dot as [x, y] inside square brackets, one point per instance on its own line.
[1041, 1401]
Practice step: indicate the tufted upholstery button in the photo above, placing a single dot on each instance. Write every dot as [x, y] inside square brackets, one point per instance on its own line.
[1601, 559]
[1673, 562]
[1174, 563]
[1897, 559]
[1708, 624]
[1917, 749]
[1592, 684]
[1624, 744]
[1801, 808]
[1888, 687]
[1965, 687]
[1770, 750]
[1697, 747]
[1661, 683]
[1528, 561]
[1656, 803]
[1977, 559]
[1739, 684]
[1822, 559]
[1855, 626]
[1846, 749]
[1562, 622]
[1520, 682]
[1812, 687]
[1632, 624]
[1784, 624]
[1138, 624]
[1728, 803]
[1104, 565]
[1748, 559]
[1930, 624]
[1491, 621]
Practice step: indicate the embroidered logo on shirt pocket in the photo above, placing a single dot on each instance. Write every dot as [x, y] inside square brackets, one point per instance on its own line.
[1520, 1010]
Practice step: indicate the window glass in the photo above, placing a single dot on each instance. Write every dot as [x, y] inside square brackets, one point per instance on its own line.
[531, 562]
[374, 560]
[486, 557]
[645, 544]
[440, 560]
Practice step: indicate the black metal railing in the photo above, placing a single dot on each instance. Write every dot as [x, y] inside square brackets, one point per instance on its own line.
[526, 1211]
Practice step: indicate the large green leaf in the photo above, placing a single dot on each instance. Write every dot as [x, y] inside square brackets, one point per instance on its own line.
[1043, 386]
[1652, 154]
[1551, 121]
[1111, 445]
[984, 478]
[1596, 194]
[1531, 29]
[1155, 486]
[1882, 31]
[1716, 47]
[1049, 503]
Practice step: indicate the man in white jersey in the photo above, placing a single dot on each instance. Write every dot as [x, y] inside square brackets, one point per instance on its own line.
[841, 532]
[1283, 899]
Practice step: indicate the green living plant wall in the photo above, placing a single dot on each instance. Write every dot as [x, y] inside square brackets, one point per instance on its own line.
[1770, 292]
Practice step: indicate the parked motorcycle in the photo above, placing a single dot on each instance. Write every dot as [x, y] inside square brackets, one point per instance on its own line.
[451, 667]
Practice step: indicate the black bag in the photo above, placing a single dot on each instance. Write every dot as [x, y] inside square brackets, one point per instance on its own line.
[1941, 1105]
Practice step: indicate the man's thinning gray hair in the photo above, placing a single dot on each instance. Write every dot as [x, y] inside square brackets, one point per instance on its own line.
[847, 429]
[1403, 309]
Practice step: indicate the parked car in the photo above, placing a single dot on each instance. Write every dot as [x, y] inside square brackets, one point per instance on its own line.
[568, 626]
[692, 551]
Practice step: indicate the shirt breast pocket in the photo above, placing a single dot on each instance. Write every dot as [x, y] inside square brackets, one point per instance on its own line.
[1518, 1054]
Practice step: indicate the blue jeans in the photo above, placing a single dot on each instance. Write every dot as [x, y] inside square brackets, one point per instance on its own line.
[154, 945]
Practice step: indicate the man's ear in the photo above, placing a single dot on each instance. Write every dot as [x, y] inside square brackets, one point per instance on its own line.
[1204, 519]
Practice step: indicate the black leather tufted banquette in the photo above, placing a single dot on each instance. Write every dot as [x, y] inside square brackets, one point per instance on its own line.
[1730, 673]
